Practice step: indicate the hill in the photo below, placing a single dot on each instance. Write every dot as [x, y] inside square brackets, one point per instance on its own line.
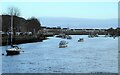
[20, 24]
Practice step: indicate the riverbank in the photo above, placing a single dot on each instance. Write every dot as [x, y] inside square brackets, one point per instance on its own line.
[68, 31]
[97, 73]
[22, 39]
[42, 35]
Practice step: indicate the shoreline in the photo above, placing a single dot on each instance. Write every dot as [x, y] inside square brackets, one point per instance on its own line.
[21, 40]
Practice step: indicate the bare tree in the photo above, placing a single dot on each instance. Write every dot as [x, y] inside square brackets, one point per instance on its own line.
[13, 11]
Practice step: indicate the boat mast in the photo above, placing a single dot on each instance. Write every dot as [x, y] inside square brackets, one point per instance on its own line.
[11, 27]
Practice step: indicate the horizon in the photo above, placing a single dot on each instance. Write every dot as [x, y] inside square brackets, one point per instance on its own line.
[78, 22]
[77, 18]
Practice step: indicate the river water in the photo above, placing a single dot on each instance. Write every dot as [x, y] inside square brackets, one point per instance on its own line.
[99, 54]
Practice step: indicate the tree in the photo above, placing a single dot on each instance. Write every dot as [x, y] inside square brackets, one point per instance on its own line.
[13, 11]
[33, 25]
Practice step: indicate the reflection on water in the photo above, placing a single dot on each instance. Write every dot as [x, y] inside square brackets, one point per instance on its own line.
[99, 54]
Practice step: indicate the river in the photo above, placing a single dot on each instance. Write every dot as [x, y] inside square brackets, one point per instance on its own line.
[99, 54]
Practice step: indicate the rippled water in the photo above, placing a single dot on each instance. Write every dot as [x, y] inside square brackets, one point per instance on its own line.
[99, 54]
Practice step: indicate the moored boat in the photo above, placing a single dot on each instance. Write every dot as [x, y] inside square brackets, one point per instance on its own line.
[61, 36]
[80, 40]
[63, 44]
[64, 36]
[91, 36]
[96, 35]
[68, 37]
[13, 50]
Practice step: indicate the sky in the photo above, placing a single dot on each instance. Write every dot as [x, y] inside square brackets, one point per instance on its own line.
[94, 10]
[59, 0]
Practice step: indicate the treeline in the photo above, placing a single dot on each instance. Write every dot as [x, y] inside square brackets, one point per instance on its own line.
[20, 24]
[113, 32]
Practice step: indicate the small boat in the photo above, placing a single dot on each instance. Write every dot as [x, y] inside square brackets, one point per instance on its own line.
[61, 36]
[64, 36]
[114, 36]
[68, 37]
[63, 44]
[81, 40]
[96, 35]
[91, 36]
[108, 35]
[14, 50]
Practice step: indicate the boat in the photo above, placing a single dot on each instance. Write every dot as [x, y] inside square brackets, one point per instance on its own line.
[80, 40]
[63, 44]
[61, 36]
[108, 35]
[13, 50]
[64, 36]
[91, 35]
[96, 35]
[68, 37]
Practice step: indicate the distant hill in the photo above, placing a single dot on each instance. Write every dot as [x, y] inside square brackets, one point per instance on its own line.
[78, 22]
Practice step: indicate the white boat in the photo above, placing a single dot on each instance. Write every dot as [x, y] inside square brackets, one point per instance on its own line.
[96, 35]
[13, 50]
[64, 36]
[80, 40]
[63, 44]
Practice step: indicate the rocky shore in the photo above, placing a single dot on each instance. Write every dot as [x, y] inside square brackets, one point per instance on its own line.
[22, 39]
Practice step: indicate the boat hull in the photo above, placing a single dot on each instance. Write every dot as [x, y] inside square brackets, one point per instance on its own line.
[80, 40]
[12, 52]
[62, 46]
